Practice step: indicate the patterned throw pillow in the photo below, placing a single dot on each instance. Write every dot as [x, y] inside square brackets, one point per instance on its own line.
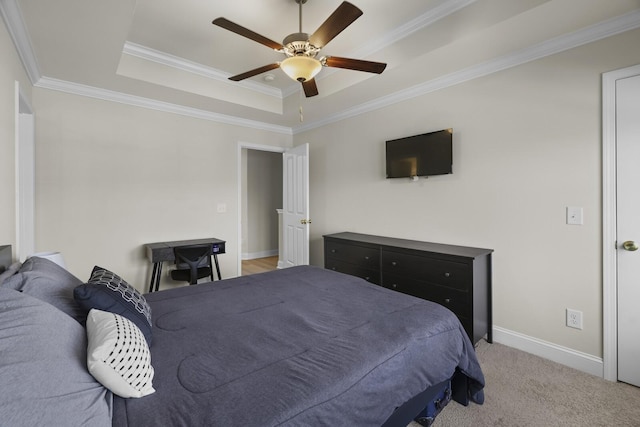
[118, 355]
[106, 291]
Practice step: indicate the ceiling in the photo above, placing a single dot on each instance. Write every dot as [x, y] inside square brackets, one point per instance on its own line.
[167, 51]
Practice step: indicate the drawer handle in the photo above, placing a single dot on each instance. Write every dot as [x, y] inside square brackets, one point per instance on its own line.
[394, 286]
[333, 251]
[447, 274]
[333, 268]
[447, 300]
[393, 263]
[366, 258]
[367, 278]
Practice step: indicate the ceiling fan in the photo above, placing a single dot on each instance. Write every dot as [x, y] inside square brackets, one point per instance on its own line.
[301, 48]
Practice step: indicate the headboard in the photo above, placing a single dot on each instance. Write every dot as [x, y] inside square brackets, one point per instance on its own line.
[5, 257]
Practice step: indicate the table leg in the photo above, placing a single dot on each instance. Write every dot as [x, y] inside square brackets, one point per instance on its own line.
[215, 258]
[158, 275]
[154, 273]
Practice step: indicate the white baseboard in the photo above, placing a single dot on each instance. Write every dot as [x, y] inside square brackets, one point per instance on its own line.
[574, 359]
[256, 255]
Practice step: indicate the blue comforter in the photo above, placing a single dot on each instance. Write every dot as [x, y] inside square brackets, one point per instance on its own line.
[301, 346]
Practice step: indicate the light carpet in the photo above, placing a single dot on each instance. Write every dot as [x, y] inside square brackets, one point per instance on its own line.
[525, 390]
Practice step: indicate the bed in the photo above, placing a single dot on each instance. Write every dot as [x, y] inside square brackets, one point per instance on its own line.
[295, 347]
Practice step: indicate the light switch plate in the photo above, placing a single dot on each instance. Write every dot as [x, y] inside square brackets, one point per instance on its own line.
[574, 215]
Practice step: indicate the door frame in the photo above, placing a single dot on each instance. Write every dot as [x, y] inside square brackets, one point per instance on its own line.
[248, 146]
[24, 175]
[609, 225]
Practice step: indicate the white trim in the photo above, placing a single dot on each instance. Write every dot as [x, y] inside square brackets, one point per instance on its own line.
[11, 13]
[12, 17]
[559, 44]
[575, 359]
[153, 55]
[138, 101]
[430, 17]
[609, 226]
[249, 146]
[24, 175]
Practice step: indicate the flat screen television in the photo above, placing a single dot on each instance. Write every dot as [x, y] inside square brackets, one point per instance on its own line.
[420, 155]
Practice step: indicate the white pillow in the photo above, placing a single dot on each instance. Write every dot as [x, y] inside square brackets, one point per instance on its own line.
[118, 355]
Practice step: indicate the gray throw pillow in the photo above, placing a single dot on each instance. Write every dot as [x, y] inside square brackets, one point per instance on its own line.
[50, 283]
[43, 368]
[13, 269]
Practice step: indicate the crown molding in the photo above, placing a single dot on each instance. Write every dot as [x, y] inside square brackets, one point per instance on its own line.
[12, 17]
[163, 58]
[138, 101]
[602, 30]
[434, 15]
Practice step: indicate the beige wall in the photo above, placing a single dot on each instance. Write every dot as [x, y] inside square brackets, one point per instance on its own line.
[10, 71]
[112, 177]
[527, 144]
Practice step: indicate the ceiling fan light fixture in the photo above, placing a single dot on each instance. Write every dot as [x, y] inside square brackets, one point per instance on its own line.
[301, 68]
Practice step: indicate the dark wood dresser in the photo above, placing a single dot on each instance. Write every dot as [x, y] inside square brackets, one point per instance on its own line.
[458, 277]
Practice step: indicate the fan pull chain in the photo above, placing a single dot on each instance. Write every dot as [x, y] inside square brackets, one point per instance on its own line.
[301, 114]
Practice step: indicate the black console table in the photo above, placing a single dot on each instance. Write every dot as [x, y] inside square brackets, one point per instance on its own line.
[457, 277]
[160, 252]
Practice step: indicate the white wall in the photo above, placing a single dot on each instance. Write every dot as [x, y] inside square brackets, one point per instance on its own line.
[527, 143]
[112, 177]
[11, 70]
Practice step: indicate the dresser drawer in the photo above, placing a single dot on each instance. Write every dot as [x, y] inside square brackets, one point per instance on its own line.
[353, 254]
[368, 274]
[455, 300]
[452, 274]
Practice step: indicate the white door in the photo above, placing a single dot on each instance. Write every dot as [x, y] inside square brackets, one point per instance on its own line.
[628, 227]
[295, 200]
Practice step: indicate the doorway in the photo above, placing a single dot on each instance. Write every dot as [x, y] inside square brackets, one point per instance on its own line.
[612, 247]
[260, 199]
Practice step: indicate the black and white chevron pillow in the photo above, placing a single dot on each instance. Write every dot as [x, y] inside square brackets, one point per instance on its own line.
[107, 291]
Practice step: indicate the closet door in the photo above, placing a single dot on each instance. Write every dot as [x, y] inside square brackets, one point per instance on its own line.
[628, 227]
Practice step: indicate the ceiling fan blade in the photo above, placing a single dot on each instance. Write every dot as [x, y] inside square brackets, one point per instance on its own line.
[310, 88]
[354, 64]
[254, 72]
[245, 32]
[340, 19]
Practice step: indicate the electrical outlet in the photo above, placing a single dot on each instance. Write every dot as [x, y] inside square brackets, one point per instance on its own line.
[574, 318]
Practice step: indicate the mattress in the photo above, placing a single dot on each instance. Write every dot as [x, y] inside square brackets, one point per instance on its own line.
[295, 347]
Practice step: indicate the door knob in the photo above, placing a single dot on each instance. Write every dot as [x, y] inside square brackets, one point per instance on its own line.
[305, 221]
[630, 245]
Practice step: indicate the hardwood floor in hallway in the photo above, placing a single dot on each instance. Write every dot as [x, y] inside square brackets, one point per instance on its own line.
[259, 265]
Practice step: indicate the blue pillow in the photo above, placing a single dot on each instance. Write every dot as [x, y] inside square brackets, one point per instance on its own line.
[43, 368]
[106, 291]
[47, 281]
